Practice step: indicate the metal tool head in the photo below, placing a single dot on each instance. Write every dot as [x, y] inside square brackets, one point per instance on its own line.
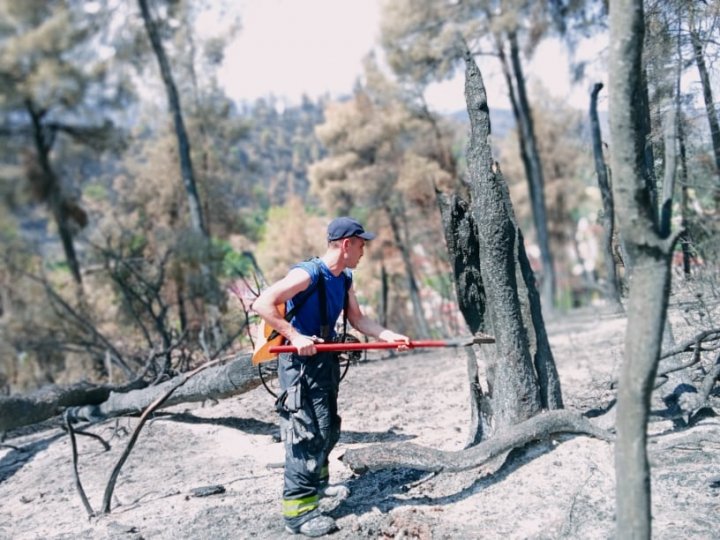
[466, 341]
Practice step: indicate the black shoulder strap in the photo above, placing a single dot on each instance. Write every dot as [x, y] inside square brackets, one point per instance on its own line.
[348, 284]
[322, 302]
[308, 293]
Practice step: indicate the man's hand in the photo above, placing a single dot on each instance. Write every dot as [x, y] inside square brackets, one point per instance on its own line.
[392, 337]
[305, 345]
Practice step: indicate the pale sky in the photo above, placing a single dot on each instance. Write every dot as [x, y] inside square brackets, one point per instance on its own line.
[291, 47]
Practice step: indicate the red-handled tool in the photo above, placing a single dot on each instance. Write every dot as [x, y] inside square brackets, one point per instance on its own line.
[417, 344]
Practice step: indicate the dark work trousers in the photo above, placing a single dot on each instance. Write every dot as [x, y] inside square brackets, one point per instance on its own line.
[306, 459]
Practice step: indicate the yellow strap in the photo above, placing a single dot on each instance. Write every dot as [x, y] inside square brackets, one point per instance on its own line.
[295, 507]
[324, 472]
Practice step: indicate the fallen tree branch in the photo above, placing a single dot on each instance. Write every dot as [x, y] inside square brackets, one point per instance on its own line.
[662, 376]
[18, 411]
[693, 344]
[218, 382]
[12, 447]
[541, 426]
[692, 402]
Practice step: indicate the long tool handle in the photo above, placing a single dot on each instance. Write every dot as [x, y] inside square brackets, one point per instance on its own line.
[329, 347]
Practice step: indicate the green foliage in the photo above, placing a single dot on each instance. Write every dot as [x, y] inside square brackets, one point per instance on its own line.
[251, 222]
[137, 245]
[234, 263]
[95, 191]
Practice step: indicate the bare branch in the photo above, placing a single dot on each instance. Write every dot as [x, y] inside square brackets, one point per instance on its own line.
[694, 344]
[148, 411]
[78, 483]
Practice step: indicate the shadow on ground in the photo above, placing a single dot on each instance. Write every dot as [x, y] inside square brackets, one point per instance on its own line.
[246, 425]
[386, 489]
[14, 460]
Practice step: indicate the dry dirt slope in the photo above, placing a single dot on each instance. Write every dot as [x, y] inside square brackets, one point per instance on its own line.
[560, 489]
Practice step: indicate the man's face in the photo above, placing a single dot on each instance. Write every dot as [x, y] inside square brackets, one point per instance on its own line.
[354, 251]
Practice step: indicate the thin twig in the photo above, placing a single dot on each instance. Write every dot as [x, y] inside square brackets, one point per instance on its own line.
[16, 448]
[78, 484]
[105, 445]
[568, 520]
[143, 418]
[81, 321]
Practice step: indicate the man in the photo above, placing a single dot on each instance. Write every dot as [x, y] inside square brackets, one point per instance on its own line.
[315, 292]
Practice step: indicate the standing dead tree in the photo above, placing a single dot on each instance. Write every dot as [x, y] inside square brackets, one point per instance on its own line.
[524, 378]
[697, 46]
[498, 295]
[186, 169]
[650, 279]
[612, 288]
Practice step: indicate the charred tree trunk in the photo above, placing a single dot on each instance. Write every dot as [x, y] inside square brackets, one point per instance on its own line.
[709, 105]
[685, 200]
[418, 313]
[650, 280]
[383, 311]
[495, 284]
[95, 403]
[514, 389]
[644, 136]
[608, 217]
[217, 382]
[670, 134]
[463, 248]
[535, 175]
[53, 192]
[186, 168]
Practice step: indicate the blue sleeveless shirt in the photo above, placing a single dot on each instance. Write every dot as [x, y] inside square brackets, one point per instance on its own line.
[307, 320]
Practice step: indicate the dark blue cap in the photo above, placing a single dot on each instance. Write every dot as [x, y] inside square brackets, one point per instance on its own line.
[345, 227]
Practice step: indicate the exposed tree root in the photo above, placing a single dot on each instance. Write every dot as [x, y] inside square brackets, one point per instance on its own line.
[541, 426]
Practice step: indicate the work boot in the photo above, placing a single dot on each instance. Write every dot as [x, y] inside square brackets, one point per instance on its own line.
[336, 491]
[319, 525]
